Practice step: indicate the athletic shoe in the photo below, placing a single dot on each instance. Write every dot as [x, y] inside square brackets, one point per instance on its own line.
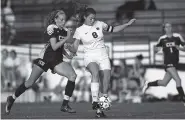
[145, 87]
[67, 108]
[9, 104]
[100, 114]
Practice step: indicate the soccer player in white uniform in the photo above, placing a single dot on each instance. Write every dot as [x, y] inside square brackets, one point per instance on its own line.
[96, 57]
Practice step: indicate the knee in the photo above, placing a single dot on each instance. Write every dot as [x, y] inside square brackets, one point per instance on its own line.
[95, 75]
[72, 77]
[162, 83]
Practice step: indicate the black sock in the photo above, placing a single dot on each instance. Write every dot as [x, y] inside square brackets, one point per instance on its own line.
[69, 91]
[65, 102]
[21, 89]
[69, 88]
[180, 91]
[155, 83]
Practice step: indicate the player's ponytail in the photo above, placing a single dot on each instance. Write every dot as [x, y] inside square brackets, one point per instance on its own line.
[50, 19]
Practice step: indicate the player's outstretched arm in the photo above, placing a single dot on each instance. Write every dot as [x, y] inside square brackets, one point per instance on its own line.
[157, 49]
[67, 55]
[74, 47]
[180, 48]
[182, 43]
[122, 27]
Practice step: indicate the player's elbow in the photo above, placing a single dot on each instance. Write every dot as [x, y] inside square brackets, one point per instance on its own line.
[115, 30]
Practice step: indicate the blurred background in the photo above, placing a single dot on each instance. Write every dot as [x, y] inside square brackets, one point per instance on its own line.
[131, 51]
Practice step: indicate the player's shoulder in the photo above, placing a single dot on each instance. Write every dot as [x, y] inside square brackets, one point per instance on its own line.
[80, 28]
[50, 29]
[98, 22]
[162, 37]
[176, 35]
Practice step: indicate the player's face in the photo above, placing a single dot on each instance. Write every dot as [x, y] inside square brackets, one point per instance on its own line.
[60, 20]
[70, 25]
[168, 28]
[89, 20]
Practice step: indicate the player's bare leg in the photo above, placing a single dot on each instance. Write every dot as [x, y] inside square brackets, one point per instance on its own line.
[35, 74]
[177, 79]
[94, 70]
[69, 73]
[104, 80]
[156, 83]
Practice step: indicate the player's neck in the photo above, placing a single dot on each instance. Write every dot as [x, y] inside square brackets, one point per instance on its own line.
[60, 27]
[87, 24]
[169, 34]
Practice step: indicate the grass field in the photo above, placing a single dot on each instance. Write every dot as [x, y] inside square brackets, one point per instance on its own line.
[158, 110]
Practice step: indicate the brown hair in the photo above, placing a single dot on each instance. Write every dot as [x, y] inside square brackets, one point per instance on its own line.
[51, 17]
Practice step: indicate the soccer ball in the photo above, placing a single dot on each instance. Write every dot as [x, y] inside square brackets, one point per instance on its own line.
[105, 102]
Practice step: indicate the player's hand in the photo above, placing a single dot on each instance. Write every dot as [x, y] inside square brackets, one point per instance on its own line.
[156, 49]
[131, 21]
[176, 46]
[71, 55]
[68, 36]
[67, 45]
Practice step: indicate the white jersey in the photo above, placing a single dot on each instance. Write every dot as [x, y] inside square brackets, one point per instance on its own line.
[92, 36]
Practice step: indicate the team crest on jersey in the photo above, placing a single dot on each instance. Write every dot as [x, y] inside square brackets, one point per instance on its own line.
[170, 44]
[97, 28]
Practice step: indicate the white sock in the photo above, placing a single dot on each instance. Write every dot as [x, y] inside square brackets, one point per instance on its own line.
[98, 110]
[66, 97]
[94, 91]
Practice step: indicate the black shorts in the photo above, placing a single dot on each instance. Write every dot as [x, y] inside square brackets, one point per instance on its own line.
[49, 61]
[166, 66]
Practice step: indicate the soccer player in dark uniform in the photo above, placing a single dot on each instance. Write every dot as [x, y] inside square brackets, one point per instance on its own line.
[51, 58]
[170, 43]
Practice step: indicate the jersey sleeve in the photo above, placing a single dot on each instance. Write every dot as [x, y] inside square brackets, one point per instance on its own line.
[159, 42]
[51, 31]
[77, 34]
[182, 42]
[106, 27]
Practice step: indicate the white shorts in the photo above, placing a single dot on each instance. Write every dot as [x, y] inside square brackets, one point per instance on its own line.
[100, 56]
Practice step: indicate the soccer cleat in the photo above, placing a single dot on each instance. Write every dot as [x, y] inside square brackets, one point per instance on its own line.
[9, 104]
[95, 105]
[100, 114]
[145, 87]
[67, 108]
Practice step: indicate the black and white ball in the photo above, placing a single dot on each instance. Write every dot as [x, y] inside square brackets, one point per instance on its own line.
[105, 102]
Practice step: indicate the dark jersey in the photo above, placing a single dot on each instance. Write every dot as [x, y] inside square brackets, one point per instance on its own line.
[54, 32]
[48, 57]
[171, 53]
